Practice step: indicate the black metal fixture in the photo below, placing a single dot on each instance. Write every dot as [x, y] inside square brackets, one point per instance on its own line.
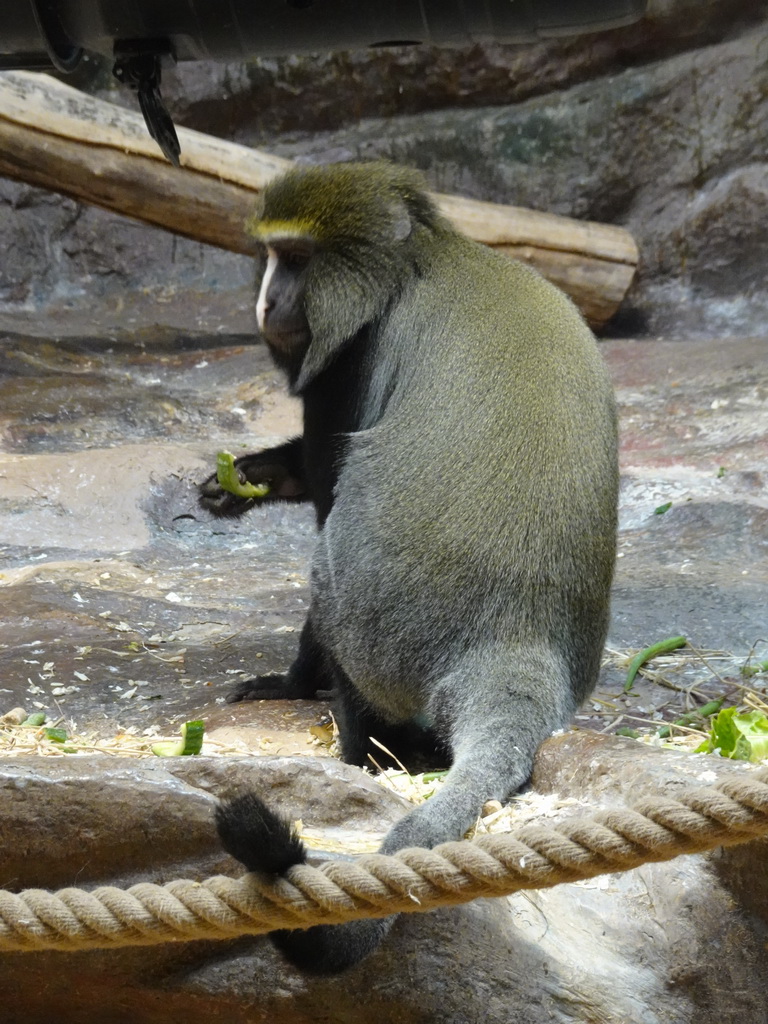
[138, 65]
[55, 34]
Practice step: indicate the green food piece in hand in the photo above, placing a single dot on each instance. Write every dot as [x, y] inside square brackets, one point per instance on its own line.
[626, 731]
[229, 479]
[662, 509]
[57, 735]
[662, 647]
[743, 737]
[35, 720]
[191, 741]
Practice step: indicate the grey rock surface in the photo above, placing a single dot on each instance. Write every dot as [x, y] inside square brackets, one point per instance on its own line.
[660, 127]
[113, 817]
[111, 571]
[673, 150]
[664, 942]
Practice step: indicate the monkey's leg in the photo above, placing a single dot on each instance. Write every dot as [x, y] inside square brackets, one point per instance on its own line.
[356, 721]
[368, 740]
[281, 467]
[308, 678]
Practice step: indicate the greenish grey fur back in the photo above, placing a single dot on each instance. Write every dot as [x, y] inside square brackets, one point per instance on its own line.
[488, 437]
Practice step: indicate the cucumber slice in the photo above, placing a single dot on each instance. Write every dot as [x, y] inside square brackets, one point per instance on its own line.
[229, 479]
[191, 741]
[35, 720]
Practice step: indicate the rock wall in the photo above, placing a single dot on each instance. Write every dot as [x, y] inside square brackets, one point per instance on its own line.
[661, 127]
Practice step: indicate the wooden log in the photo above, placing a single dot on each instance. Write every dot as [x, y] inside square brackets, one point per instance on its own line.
[57, 138]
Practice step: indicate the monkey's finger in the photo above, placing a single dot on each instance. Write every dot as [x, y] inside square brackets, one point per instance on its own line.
[221, 503]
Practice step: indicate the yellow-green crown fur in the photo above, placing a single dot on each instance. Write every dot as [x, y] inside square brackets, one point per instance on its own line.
[342, 203]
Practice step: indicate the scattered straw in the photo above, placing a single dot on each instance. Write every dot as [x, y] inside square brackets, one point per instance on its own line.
[20, 741]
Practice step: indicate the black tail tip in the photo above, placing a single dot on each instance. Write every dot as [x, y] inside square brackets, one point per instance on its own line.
[256, 836]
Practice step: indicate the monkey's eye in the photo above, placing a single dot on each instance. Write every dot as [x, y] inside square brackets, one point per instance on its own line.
[295, 260]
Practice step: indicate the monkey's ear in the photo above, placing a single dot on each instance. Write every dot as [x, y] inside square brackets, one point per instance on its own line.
[400, 225]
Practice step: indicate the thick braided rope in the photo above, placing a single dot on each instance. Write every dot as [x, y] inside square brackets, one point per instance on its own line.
[533, 857]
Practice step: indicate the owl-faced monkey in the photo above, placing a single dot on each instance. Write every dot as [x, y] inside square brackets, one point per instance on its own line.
[460, 450]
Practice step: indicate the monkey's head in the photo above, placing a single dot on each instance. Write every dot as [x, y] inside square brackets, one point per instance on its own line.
[340, 241]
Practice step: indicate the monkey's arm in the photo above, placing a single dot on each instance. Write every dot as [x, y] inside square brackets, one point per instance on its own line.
[281, 468]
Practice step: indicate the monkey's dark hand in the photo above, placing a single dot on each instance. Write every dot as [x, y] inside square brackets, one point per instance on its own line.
[280, 468]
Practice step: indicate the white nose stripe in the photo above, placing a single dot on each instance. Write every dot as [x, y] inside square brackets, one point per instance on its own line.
[261, 303]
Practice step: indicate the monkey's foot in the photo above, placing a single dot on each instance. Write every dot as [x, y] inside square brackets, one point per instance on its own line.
[274, 686]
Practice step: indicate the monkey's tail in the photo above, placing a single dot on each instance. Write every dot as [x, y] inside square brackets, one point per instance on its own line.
[265, 842]
[256, 836]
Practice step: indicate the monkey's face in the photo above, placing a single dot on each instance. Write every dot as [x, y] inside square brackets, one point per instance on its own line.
[280, 308]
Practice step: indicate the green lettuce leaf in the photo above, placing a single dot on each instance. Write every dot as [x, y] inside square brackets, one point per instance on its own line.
[743, 737]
